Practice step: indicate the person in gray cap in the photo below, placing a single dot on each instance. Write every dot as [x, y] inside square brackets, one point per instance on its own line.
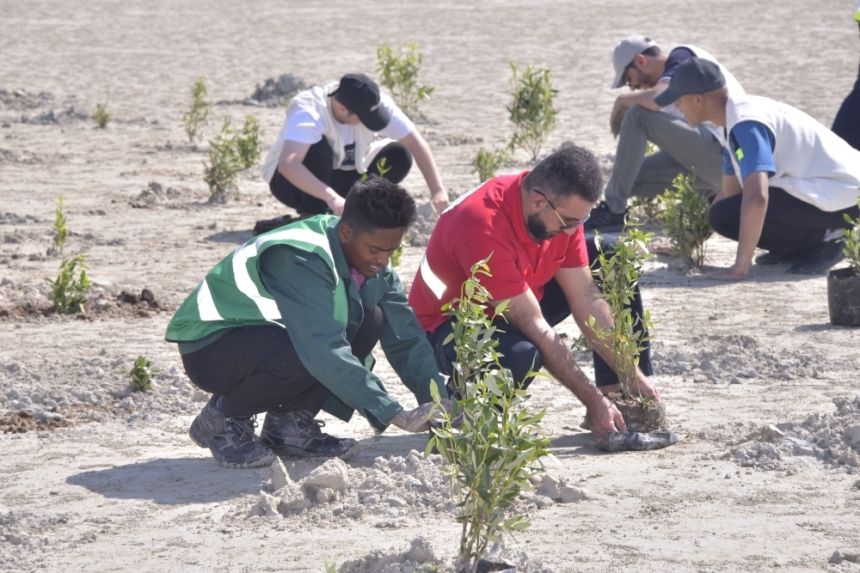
[641, 65]
[788, 180]
[334, 134]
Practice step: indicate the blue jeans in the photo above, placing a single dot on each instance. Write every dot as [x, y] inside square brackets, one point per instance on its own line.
[521, 356]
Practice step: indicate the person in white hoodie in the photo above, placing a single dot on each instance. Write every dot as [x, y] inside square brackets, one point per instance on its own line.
[335, 134]
[788, 180]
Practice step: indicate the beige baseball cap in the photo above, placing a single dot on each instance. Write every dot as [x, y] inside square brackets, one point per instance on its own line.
[624, 52]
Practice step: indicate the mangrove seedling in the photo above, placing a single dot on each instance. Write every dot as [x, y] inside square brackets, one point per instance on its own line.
[685, 219]
[490, 441]
[398, 71]
[141, 374]
[197, 115]
[532, 108]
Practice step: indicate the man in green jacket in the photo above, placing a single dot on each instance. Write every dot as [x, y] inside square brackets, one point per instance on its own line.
[286, 323]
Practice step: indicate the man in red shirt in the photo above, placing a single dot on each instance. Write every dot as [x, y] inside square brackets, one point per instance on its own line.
[532, 225]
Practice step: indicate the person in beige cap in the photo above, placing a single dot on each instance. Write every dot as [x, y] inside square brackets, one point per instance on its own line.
[789, 181]
[646, 69]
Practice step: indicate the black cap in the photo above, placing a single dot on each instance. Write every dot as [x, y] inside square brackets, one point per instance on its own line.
[694, 76]
[360, 95]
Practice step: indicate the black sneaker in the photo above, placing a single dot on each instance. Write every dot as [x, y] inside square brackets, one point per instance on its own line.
[265, 225]
[231, 440]
[819, 260]
[604, 220]
[296, 433]
[773, 258]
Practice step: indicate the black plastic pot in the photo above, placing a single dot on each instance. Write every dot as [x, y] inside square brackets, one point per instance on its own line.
[843, 296]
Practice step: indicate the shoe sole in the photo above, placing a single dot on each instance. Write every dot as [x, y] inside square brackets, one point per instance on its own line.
[295, 452]
[261, 463]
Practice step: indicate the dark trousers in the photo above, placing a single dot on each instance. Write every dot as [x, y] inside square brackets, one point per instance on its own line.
[846, 124]
[319, 160]
[256, 369]
[791, 228]
[520, 355]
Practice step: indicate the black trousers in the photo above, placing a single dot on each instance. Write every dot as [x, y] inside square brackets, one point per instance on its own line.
[256, 369]
[846, 124]
[791, 228]
[520, 355]
[319, 160]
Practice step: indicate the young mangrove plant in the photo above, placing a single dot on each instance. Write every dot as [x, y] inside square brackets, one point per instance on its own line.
[490, 441]
[197, 116]
[247, 142]
[487, 162]
[617, 274]
[851, 242]
[69, 289]
[684, 219]
[532, 108]
[60, 228]
[141, 374]
[101, 115]
[398, 71]
[224, 164]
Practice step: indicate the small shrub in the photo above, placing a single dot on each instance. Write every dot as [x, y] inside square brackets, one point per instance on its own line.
[60, 228]
[650, 149]
[489, 439]
[851, 240]
[248, 144]
[685, 219]
[618, 275]
[198, 115]
[141, 374]
[399, 75]
[69, 289]
[487, 162]
[224, 165]
[532, 109]
[101, 115]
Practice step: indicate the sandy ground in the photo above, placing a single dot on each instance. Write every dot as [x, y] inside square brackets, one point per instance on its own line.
[764, 390]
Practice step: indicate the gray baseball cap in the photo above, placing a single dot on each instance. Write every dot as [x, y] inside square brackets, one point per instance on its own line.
[694, 76]
[624, 52]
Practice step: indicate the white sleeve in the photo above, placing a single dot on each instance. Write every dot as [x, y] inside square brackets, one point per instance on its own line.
[302, 125]
[399, 126]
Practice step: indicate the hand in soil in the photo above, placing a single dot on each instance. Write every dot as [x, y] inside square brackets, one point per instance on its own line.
[420, 419]
[605, 417]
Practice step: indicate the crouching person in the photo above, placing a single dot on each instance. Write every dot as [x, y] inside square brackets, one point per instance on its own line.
[286, 323]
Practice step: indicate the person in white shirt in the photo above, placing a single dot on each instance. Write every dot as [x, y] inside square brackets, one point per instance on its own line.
[335, 134]
[788, 181]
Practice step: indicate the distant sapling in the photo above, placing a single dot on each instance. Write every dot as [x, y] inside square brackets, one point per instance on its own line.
[684, 218]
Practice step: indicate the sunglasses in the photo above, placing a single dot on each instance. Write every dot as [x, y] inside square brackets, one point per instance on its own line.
[566, 222]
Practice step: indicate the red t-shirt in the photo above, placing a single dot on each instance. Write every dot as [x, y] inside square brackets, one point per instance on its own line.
[488, 220]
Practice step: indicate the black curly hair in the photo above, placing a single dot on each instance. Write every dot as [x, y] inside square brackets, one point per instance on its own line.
[572, 170]
[377, 203]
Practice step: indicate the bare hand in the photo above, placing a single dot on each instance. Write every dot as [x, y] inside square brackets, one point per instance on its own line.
[440, 201]
[736, 272]
[616, 117]
[336, 205]
[420, 418]
[605, 417]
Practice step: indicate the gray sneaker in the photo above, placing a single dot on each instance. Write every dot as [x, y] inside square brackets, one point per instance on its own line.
[298, 434]
[231, 440]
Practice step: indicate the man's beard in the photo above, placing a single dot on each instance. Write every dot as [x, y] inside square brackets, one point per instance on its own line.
[537, 228]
